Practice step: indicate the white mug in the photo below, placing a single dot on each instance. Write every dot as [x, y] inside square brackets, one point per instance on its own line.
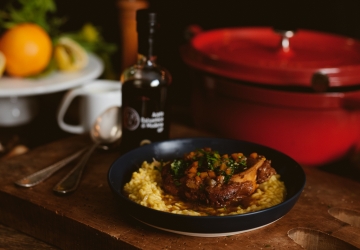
[95, 98]
[16, 111]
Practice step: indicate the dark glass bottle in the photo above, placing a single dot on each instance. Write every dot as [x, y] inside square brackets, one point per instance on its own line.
[145, 109]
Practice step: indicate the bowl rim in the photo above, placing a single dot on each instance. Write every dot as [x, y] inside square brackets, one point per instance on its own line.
[274, 213]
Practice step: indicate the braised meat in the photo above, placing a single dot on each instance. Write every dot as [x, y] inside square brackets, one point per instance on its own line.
[207, 177]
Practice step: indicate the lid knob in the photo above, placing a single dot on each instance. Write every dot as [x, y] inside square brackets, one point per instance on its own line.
[285, 38]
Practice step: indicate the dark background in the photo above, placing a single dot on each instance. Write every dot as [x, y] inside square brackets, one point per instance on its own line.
[337, 17]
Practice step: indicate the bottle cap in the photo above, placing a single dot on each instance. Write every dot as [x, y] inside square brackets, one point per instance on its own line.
[146, 21]
[146, 26]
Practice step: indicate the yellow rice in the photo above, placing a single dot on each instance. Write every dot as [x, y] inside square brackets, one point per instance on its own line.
[145, 188]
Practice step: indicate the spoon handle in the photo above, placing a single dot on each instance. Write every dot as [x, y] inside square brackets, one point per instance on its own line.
[71, 181]
[43, 174]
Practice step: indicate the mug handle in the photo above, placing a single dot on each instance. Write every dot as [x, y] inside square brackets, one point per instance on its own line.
[64, 105]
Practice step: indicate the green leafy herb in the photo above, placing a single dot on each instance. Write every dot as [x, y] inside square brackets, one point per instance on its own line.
[43, 13]
[161, 165]
[40, 12]
[210, 160]
[178, 167]
[177, 182]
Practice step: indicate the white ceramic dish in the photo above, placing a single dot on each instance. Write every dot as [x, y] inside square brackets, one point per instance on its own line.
[207, 234]
[56, 81]
[17, 103]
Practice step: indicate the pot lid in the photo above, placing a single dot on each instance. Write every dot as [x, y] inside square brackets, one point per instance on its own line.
[263, 55]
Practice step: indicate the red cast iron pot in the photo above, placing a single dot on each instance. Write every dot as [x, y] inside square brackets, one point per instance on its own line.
[297, 92]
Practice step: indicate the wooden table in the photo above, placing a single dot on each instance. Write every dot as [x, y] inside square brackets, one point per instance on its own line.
[90, 217]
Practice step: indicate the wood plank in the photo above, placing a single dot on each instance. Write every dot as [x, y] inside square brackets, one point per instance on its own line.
[14, 240]
[90, 217]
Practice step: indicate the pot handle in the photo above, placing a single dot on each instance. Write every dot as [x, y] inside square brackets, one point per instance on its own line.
[351, 101]
[191, 31]
[320, 82]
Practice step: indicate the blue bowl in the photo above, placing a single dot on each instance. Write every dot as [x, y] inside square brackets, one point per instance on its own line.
[121, 170]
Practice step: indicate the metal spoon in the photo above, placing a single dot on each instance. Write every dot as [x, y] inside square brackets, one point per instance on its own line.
[39, 176]
[106, 130]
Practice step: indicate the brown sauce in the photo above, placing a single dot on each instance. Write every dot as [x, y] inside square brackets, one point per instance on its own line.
[205, 209]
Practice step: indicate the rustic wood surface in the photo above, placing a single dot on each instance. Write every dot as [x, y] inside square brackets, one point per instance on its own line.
[14, 240]
[90, 218]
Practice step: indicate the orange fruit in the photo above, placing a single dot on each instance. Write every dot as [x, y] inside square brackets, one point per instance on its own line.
[2, 63]
[27, 48]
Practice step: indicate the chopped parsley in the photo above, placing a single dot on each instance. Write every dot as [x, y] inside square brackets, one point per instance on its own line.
[178, 168]
[208, 160]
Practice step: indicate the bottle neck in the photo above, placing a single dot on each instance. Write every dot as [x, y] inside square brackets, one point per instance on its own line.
[146, 29]
[146, 48]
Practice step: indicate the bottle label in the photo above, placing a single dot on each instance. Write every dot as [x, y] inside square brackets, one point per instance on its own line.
[132, 120]
[156, 121]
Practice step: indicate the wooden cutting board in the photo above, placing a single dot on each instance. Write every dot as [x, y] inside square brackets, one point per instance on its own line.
[90, 218]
